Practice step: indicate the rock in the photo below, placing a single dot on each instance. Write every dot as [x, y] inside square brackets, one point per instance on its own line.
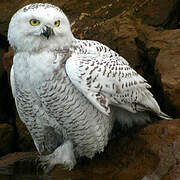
[6, 9]
[167, 150]
[161, 49]
[149, 153]
[7, 139]
[168, 69]
[7, 114]
[25, 142]
[3, 48]
[7, 61]
[159, 13]
[18, 163]
[1, 66]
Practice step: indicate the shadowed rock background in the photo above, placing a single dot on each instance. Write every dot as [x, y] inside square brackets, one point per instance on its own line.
[147, 34]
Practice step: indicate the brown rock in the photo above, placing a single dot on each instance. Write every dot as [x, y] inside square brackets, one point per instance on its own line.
[166, 64]
[168, 67]
[152, 153]
[25, 142]
[167, 150]
[7, 139]
[18, 163]
[7, 10]
[7, 60]
[158, 12]
[1, 66]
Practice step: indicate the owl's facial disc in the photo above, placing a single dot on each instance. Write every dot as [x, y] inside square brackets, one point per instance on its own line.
[47, 31]
[40, 27]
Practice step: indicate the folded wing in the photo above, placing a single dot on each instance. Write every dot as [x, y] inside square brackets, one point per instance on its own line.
[109, 81]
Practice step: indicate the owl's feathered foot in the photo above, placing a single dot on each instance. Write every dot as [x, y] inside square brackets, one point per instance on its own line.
[62, 155]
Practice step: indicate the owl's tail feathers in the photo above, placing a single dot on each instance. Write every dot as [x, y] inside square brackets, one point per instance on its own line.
[164, 116]
[151, 104]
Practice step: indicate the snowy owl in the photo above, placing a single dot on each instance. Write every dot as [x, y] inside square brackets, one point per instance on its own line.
[69, 92]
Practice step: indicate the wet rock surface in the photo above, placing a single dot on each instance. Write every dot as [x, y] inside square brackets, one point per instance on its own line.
[146, 33]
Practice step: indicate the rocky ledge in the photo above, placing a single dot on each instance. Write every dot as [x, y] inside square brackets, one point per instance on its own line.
[149, 153]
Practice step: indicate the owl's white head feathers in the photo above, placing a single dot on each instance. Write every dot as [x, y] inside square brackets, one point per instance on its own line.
[39, 26]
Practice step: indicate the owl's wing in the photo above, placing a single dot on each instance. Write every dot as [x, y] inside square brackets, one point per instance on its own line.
[109, 81]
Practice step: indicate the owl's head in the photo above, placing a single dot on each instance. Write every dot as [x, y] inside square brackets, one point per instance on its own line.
[39, 26]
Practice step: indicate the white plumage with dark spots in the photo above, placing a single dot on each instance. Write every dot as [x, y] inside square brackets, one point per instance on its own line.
[69, 92]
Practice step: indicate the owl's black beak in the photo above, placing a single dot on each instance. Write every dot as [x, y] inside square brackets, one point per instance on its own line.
[47, 31]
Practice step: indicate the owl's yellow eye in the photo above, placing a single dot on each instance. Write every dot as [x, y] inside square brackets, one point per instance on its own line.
[34, 22]
[57, 23]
